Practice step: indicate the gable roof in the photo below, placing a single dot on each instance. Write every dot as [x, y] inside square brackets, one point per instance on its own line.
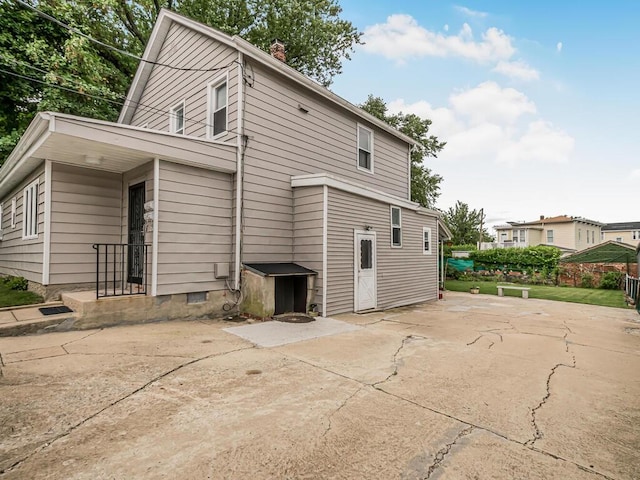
[562, 219]
[156, 40]
[622, 226]
[607, 252]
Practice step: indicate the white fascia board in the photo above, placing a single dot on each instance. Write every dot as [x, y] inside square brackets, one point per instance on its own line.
[321, 179]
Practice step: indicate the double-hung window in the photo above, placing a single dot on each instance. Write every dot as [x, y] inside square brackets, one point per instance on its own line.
[30, 211]
[396, 227]
[218, 99]
[426, 240]
[636, 234]
[176, 119]
[549, 236]
[365, 149]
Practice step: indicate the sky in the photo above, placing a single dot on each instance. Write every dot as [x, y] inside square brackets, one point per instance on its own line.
[539, 102]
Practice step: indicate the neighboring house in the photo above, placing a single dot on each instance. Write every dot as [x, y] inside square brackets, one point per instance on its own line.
[566, 233]
[625, 232]
[236, 160]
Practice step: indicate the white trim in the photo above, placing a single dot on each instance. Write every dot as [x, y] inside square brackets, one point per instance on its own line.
[46, 252]
[154, 233]
[30, 196]
[319, 179]
[430, 251]
[325, 248]
[212, 85]
[399, 225]
[240, 130]
[172, 118]
[371, 149]
[14, 212]
[1, 212]
[374, 254]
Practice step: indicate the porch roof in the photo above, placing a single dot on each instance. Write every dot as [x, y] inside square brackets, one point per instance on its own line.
[107, 146]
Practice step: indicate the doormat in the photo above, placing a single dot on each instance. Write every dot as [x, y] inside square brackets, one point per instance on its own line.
[55, 310]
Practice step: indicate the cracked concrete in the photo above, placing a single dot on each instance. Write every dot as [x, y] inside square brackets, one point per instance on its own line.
[546, 390]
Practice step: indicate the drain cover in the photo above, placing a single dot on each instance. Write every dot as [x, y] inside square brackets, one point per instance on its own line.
[55, 310]
[296, 318]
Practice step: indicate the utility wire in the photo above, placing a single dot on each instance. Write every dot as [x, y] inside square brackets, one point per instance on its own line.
[111, 47]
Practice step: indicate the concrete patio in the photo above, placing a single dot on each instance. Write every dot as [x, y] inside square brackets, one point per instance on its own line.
[471, 387]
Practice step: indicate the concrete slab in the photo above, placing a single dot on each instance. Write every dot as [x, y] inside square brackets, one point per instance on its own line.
[7, 317]
[22, 314]
[275, 333]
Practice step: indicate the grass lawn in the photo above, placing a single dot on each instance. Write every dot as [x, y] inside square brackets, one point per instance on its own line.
[11, 298]
[592, 296]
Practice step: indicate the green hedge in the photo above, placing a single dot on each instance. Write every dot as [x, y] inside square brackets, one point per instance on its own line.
[521, 259]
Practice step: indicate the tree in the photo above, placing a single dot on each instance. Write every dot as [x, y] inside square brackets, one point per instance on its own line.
[425, 185]
[465, 224]
[316, 38]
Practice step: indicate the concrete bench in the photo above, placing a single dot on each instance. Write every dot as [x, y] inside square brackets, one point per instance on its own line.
[525, 290]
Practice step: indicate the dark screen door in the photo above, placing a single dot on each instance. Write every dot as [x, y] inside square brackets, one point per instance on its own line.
[135, 257]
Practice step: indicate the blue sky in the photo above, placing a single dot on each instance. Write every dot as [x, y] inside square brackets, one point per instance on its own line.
[538, 101]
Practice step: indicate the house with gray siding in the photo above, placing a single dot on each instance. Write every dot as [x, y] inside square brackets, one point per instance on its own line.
[229, 178]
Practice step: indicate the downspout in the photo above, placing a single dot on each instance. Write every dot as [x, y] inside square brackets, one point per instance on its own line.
[46, 250]
[239, 168]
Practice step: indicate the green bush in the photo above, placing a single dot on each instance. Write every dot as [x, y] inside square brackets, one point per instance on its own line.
[529, 259]
[586, 281]
[15, 283]
[611, 281]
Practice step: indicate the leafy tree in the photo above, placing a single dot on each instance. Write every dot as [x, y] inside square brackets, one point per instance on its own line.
[425, 185]
[465, 224]
[317, 41]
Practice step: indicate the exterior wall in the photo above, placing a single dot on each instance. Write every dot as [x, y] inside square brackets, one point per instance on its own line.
[404, 275]
[167, 87]
[195, 228]
[630, 237]
[308, 233]
[85, 209]
[17, 256]
[284, 141]
[582, 231]
[564, 234]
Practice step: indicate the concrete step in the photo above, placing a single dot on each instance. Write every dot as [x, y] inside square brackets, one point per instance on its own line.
[28, 319]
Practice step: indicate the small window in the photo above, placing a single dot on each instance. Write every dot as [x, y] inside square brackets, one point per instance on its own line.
[30, 211]
[636, 234]
[14, 212]
[618, 239]
[176, 119]
[396, 227]
[549, 236]
[218, 107]
[593, 236]
[365, 149]
[426, 240]
[580, 235]
[601, 235]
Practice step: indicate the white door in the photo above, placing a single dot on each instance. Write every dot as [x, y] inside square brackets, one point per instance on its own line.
[365, 270]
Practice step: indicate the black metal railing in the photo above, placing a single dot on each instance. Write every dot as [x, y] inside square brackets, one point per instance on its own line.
[121, 269]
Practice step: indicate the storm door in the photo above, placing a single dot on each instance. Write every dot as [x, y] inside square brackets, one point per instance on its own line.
[135, 255]
[365, 271]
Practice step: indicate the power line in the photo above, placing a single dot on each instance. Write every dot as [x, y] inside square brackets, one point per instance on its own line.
[111, 47]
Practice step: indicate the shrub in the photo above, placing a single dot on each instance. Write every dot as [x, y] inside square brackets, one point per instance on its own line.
[586, 281]
[611, 281]
[518, 259]
[16, 283]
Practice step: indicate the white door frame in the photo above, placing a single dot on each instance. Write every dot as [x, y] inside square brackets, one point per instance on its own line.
[356, 261]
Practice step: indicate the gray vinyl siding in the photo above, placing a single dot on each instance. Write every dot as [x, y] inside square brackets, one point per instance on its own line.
[308, 232]
[195, 228]
[85, 209]
[20, 257]
[404, 275]
[284, 141]
[166, 87]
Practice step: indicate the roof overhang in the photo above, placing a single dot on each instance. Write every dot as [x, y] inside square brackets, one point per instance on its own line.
[159, 34]
[106, 146]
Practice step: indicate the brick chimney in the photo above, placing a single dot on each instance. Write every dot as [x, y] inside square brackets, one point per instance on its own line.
[541, 217]
[277, 50]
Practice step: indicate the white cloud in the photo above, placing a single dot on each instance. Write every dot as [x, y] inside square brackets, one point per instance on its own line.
[559, 47]
[636, 174]
[401, 37]
[491, 124]
[446, 27]
[517, 69]
[470, 13]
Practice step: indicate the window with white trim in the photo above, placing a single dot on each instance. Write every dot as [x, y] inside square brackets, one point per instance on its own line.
[618, 239]
[218, 99]
[14, 211]
[636, 234]
[396, 227]
[30, 211]
[426, 240]
[365, 149]
[176, 119]
[593, 236]
[549, 236]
